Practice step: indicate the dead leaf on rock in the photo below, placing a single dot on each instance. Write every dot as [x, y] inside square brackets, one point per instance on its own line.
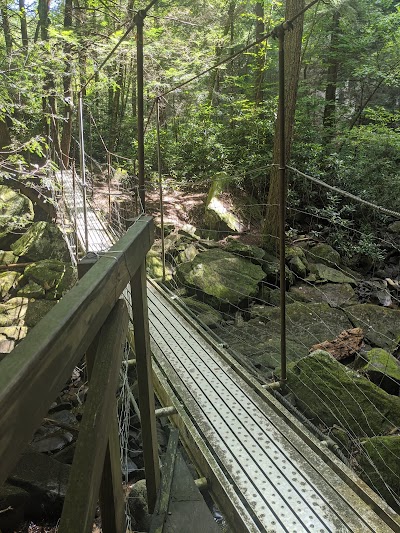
[347, 344]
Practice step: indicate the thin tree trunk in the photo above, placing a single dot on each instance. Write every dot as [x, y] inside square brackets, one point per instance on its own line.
[68, 98]
[6, 27]
[24, 27]
[260, 52]
[292, 50]
[329, 120]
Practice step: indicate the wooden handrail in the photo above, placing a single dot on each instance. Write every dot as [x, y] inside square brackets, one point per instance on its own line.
[32, 376]
[95, 431]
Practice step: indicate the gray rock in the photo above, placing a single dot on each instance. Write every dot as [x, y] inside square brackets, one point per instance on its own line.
[380, 466]
[137, 501]
[326, 273]
[55, 277]
[333, 395]
[394, 227]
[272, 269]
[205, 313]
[306, 324]
[10, 336]
[7, 257]
[13, 502]
[222, 276]
[254, 253]
[297, 266]
[381, 326]
[45, 479]
[16, 212]
[334, 294]
[323, 253]
[382, 368]
[8, 281]
[43, 240]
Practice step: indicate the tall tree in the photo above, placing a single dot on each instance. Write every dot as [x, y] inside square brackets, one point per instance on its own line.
[332, 77]
[292, 50]
[67, 80]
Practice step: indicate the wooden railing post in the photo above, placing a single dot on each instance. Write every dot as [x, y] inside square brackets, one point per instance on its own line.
[145, 384]
[92, 464]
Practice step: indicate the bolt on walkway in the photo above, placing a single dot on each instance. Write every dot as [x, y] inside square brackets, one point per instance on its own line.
[266, 472]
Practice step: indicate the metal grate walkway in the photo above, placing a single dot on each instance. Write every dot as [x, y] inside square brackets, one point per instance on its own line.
[276, 482]
[267, 473]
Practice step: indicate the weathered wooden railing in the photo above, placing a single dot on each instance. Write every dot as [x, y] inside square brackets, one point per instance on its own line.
[90, 319]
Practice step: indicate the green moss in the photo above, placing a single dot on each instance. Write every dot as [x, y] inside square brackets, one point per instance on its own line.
[52, 275]
[331, 394]
[7, 257]
[222, 276]
[323, 253]
[42, 241]
[205, 313]
[326, 273]
[381, 467]
[12, 313]
[8, 280]
[16, 211]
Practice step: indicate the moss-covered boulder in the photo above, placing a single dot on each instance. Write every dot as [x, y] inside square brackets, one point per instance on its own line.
[7, 257]
[332, 394]
[12, 313]
[326, 273]
[380, 467]
[154, 266]
[32, 290]
[249, 251]
[323, 253]
[381, 325]
[271, 268]
[220, 217]
[16, 212]
[43, 240]
[382, 368]
[221, 276]
[36, 310]
[8, 281]
[23, 311]
[297, 266]
[204, 313]
[306, 324]
[10, 336]
[255, 341]
[185, 253]
[55, 277]
[334, 294]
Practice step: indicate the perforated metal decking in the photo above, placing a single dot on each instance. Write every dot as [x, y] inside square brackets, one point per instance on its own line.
[258, 464]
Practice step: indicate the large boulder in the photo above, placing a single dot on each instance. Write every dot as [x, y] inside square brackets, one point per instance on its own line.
[271, 267]
[9, 338]
[45, 479]
[306, 324]
[43, 240]
[13, 502]
[381, 326]
[334, 294]
[325, 273]
[8, 281]
[206, 314]
[323, 253]
[54, 277]
[16, 212]
[23, 312]
[254, 253]
[220, 217]
[380, 467]
[221, 276]
[331, 394]
[382, 368]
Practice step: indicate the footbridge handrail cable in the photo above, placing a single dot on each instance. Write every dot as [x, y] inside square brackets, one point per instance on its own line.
[390, 212]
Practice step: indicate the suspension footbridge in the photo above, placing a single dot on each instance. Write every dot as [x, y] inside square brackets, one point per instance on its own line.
[266, 471]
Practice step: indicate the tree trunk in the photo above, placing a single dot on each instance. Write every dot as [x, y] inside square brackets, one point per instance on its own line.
[260, 54]
[24, 27]
[68, 99]
[6, 26]
[5, 139]
[329, 119]
[215, 75]
[292, 50]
